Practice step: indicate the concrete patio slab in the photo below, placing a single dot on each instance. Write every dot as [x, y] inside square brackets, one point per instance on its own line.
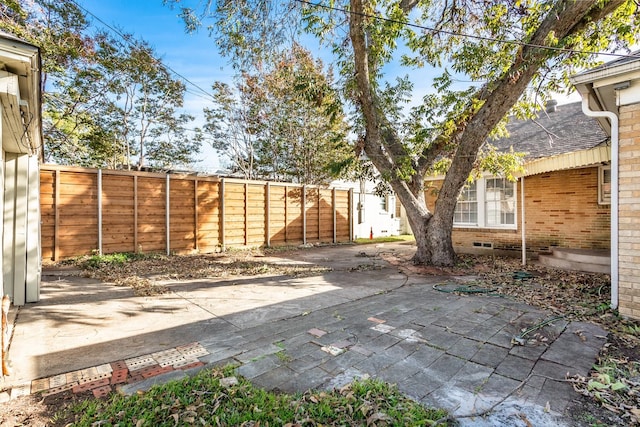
[362, 318]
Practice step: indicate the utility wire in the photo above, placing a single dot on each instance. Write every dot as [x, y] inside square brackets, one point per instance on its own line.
[453, 33]
[207, 95]
[127, 39]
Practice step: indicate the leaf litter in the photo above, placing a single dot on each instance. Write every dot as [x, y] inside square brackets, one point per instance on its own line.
[614, 383]
[613, 386]
[145, 273]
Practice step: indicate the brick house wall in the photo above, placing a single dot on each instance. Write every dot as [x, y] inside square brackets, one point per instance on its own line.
[629, 211]
[561, 209]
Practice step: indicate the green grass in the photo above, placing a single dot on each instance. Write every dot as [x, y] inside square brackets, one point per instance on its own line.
[120, 258]
[386, 239]
[203, 400]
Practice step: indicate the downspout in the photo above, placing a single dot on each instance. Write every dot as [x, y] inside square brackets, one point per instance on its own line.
[613, 119]
[523, 225]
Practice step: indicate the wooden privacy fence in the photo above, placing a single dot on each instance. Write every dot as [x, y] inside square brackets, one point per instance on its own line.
[89, 210]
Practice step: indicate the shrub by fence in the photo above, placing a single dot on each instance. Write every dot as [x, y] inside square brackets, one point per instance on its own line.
[87, 210]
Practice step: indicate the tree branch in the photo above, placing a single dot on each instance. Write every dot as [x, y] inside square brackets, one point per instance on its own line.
[566, 18]
[378, 131]
[407, 5]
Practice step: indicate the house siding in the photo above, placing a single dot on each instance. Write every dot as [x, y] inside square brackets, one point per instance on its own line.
[561, 209]
[629, 211]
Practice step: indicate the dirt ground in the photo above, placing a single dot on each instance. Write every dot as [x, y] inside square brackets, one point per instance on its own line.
[576, 296]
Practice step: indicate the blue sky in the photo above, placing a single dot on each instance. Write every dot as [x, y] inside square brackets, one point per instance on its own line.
[194, 56]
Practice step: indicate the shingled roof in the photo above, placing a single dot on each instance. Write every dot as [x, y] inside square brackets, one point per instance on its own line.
[565, 130]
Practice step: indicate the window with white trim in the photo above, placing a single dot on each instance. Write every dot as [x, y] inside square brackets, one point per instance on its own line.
[487, 203]
[604, 185]
[467, 207]
[500, 202]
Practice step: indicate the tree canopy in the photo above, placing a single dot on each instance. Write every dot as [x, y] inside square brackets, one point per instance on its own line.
[108, 101]
[519, 51]
[513, 53]
[282, 122]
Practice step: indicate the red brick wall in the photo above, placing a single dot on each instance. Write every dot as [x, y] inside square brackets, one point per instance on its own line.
[561, 209]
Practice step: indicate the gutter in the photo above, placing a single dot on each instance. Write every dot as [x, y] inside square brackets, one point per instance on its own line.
[613, 118]
[604, 72]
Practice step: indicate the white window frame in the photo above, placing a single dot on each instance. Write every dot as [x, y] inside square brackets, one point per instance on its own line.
[602, 200]
[501, 202]
[469, 224]
[481, 201]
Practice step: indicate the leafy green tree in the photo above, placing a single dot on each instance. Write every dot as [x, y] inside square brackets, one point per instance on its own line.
[144, 101]
[76, 109]
[229, 130]
[515, 47]
[107, 102]
[58, 28]
[282, 122]
[517, 51]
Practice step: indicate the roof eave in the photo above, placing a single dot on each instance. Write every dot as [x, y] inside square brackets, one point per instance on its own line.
[574, 160]
[602, 86]
[593, 76]
[16, 51]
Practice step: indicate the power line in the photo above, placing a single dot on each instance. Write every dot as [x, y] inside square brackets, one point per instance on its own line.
[453, 33]
[127, 38]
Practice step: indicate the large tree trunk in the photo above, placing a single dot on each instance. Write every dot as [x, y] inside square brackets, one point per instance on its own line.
[433, 241]
[384, 146]
[432, 233]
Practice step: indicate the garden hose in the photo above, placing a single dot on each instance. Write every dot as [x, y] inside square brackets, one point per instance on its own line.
[463, 289]
[472, 289]
[522, 275]
[520, 338]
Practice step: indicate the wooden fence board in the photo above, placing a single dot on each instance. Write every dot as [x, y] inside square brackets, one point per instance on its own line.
[150, 227]
[78, 179]
[209, 236]
[134, 216]
[209, 223]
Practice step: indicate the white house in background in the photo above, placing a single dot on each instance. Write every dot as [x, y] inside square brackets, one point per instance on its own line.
[20, 105]
[373, 215]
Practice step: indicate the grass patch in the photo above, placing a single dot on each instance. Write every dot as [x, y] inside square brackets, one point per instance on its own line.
[204, 399]
[386, 239]
[100, 261]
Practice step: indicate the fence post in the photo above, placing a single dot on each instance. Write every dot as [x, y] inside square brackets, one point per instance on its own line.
[100, 211]
[267, 216]
[304, 214]
[195, 211]
[319, 214]
[168, 215]
[246, 213]
[135, 214]
[56, 214]
[350, 210]
[222, 231]
[333, 203]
